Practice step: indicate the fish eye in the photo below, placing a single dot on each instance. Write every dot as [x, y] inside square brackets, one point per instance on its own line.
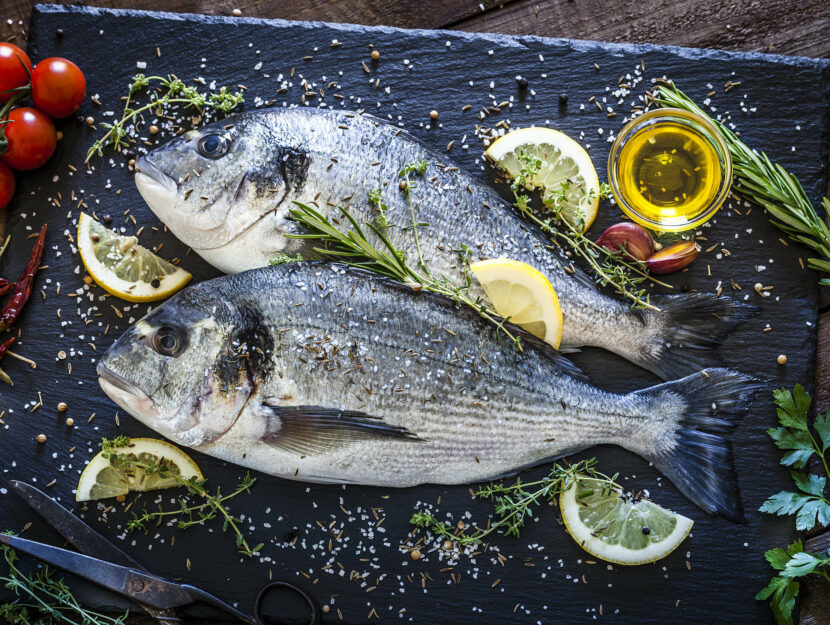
[213, 146]
[168, 341]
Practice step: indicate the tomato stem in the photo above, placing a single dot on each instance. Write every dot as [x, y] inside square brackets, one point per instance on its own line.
[4, 114]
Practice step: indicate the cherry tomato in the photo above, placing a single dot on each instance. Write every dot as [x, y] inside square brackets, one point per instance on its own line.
[12, 72]
[58, 87]
[6, 185]
[32, 138]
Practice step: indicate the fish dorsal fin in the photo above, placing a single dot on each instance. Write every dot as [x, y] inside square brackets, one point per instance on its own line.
[314, 429]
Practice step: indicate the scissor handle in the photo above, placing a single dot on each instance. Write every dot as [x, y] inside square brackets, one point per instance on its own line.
[315, 617]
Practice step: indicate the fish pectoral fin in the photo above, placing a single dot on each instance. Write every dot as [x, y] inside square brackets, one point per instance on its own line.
[315, 429]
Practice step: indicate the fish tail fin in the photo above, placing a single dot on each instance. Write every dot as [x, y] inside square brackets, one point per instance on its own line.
[683, 337]
[693, 450]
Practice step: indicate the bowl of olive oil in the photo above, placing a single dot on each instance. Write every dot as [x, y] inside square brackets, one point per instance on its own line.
[669, 170]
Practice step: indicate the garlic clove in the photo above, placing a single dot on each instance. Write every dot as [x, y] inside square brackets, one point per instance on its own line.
[633, 240]
[673, 257]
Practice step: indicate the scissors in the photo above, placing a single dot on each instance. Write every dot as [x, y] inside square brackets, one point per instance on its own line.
[106, 565]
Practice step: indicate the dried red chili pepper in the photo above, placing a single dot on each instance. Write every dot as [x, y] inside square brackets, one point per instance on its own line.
[4, 347]
[5, 287]
[23, 289]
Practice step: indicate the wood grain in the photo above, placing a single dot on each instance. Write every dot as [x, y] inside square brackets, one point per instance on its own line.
[746, 25]
[749, 25]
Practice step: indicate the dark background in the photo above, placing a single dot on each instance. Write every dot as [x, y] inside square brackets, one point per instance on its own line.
[115, 57]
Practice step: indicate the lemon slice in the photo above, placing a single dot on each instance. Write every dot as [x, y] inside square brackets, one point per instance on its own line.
[103, 478]
[563, 160]
[522, 294]
[617, 529]
[123, 268]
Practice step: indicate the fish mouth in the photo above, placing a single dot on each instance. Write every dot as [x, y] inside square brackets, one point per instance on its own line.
[157, 188]
[124, 393]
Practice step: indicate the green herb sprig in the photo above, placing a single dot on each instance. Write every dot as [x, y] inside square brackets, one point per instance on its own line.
[609, 268]
[169, 91]
[513, 503]
[767, 184]
[809, 504]
[791, 563]
[44, 600]
[213, 504]
[352, 246]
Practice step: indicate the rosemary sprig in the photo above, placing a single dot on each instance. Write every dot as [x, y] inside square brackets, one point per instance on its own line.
[513, 503]
[769, 185]
[44, 600]
[170, 91]
[212, 506]
[352, 246]
[609, 268]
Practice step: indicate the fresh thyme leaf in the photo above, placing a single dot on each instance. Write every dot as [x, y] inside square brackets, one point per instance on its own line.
[281, 259]
[44, 600]
[169, 92]
[608, 268]
[351, 245]
[211, 506]
[513, 503]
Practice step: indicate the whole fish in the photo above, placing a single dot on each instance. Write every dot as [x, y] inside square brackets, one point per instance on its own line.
[320, 372]
[226, 190]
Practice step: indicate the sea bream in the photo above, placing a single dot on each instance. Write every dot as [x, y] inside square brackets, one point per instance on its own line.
[226, 189]
[324, 373]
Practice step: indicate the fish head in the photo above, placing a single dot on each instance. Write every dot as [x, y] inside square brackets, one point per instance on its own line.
[175, 370]
[212, 184]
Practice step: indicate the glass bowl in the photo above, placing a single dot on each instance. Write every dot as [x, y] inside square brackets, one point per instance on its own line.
[671, 218]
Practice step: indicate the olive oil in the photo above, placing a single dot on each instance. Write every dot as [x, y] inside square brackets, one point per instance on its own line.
[669, 173]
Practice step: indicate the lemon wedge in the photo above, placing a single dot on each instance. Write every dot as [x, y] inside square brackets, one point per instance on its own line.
[104, 478]
[123, 268]
[563, 161]
[523, 295]
[615, 528]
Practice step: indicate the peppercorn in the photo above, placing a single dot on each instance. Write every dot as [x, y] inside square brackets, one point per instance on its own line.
[87, 280]
[563, 101]
[121, 498]
[521, 81]
[433, 115]
[782, 359]
[460, 525]
[70, 422]
[107, 219]
[402, 185]
[375, 55]
[447, 545]
[646, 531]
[90, 120]
[154, 129]
[415, 554]
[41, 438]
[236, 12]
[59, 32]
[62, 406]
[155, 283]
[58, 135]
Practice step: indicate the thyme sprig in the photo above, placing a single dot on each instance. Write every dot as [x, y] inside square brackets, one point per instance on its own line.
[769, 185]
[609, 268]
[513, 503]
[213, 504]
[169, 91]
[352, 246]
[44, 600]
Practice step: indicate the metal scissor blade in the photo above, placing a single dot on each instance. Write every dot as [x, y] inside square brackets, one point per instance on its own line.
[83, 537]
[137, 585]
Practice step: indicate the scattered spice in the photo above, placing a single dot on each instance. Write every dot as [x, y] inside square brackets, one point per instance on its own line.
[782, 359]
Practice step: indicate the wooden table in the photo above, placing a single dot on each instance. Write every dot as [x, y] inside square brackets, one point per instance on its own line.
[748, 25]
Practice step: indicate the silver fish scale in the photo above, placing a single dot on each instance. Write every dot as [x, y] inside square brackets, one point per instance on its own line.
[354, 154]
[480, 407]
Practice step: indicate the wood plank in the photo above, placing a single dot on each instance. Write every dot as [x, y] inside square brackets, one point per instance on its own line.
[815, 598]
[749, 25]
[410, 14]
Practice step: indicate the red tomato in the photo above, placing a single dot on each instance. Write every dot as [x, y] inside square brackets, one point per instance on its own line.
[12, 72]
[31, 136]
[58, 87]
[6, 184]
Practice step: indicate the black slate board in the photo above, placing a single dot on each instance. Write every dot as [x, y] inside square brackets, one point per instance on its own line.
[786, 104]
